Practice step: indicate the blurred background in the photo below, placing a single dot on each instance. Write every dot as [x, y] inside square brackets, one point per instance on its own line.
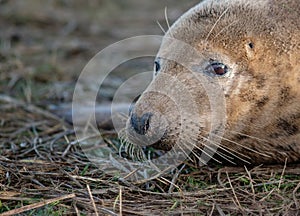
[44, 45]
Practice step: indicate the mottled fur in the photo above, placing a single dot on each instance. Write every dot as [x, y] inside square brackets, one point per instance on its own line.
[260, 41]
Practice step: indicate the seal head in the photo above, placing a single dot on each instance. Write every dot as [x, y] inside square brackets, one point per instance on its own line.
[250, 50]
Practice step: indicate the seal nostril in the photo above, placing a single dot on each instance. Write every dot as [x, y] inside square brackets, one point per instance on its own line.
[146, 121]
[140, 124]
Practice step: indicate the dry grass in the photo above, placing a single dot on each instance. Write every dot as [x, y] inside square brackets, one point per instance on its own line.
[43, 172]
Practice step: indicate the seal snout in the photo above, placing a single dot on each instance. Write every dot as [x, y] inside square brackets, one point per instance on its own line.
[140, 124]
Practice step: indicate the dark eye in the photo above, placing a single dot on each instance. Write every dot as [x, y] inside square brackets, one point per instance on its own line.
[217, 68]
[156, 67]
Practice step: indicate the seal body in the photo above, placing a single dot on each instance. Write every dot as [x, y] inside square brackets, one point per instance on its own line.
[251, 51]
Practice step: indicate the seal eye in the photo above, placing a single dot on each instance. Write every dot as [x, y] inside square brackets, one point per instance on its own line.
[218, 69]
[156, 67]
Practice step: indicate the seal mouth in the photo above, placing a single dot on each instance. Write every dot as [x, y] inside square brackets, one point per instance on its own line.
[140, 148]
[145, 136]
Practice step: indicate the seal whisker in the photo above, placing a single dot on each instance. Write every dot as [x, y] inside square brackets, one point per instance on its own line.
[185, 143]
[232, 152]
[160, 26]
[215, 24]
[223, 29]
[203, 144]
[132, 150]
[224, 156]
[183, 150]
[192, 143]
[166, 17]
[227, 150]
[252, 137]
[238, 144]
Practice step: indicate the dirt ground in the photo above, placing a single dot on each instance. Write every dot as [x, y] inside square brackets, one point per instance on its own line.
[44, 45]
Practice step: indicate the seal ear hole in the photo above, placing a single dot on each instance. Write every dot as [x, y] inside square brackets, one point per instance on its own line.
[251, 45]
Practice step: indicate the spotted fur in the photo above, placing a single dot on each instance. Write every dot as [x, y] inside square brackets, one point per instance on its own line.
[260, 42]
